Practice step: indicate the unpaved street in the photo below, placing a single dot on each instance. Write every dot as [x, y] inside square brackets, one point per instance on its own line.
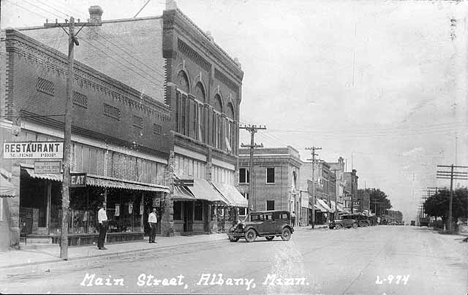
[373, 260]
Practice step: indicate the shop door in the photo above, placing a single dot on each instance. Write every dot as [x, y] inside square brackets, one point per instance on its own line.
[188, 216]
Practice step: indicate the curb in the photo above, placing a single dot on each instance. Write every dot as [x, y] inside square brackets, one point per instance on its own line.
[58, 263]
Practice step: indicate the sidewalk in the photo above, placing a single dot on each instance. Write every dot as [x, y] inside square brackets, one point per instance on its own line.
[43, 257]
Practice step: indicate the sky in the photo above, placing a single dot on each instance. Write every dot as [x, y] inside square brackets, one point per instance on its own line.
[380, 83]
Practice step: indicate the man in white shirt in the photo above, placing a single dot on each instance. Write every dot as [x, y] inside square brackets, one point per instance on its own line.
[152, 220]
[102, 220]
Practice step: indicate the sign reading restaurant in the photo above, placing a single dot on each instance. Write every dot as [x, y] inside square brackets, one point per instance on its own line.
[33, 150]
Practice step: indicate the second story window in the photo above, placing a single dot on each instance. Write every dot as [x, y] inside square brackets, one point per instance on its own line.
[270, 177]
[244, 176]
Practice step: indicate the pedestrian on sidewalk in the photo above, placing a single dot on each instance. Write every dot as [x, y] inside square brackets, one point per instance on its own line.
[293, 218]
[103, 223]
[152, 220]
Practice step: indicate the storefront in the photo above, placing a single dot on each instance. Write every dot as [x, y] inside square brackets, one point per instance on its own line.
[228, 214]
[128, 205]
[197, 207]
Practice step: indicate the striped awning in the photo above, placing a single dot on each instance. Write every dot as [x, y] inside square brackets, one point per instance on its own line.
[7, 189]
[322, 205]
[103, 181]
[203, 190]
[47, 176]
[182, 193]
[231, 194]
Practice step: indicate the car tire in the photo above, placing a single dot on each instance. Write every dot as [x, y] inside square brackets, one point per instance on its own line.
[286, 234]
[250, 235]
[270, 238]
[338, 226]
[233, 239]
[355, 225]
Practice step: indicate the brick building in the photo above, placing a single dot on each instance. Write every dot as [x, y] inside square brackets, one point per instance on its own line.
[119, 139]
[275, 178]
[156, 110]
[352, 204]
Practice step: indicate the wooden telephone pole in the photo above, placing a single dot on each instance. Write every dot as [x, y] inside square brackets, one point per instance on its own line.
[451, 175]
[252, 129]
[313, 149]
[72, 41]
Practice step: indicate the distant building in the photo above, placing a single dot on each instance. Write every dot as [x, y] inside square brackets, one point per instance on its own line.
[275, 178]
[352, 204]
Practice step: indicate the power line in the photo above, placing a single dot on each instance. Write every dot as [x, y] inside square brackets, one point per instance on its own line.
[47, 11]
[252, 129]
[45, 4]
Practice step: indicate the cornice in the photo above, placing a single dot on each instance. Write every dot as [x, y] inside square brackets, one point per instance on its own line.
[177, 20]
[40, 55]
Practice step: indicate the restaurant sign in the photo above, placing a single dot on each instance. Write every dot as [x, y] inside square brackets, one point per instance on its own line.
[77, 179]
[33, 150]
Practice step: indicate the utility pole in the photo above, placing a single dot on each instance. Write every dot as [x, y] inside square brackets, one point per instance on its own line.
[72, 41]
[313, 149]
[451, 175]
[252, 129]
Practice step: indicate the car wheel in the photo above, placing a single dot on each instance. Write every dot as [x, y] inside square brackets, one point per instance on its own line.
[286, 234]
[338, 226]
[355, 225]
[270, 238]
[233, 239]
[250, 235]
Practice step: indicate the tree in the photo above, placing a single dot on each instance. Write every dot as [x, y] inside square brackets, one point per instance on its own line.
[437, 205]
[378, 200]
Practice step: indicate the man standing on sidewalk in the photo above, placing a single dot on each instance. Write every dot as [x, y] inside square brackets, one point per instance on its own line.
[152, 220]
[102, 220]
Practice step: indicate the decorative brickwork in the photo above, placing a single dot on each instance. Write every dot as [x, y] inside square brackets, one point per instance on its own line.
[45, 86]
[137, 121]
[157, 129]
[44, 58]
[80, 99]
[193, 55]
[111, 111]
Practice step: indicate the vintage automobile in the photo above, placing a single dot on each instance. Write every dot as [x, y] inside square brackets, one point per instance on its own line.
[268, 224]
[346, 221]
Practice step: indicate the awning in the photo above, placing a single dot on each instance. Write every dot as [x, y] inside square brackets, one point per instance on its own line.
[102, 181]
[317, 207]
[53, 177]
[323, 206]
[182, 193]
[7, 189]
[203, 190]
[231, 194]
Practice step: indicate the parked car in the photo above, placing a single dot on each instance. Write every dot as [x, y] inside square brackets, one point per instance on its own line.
[346, 221]
[268, 224]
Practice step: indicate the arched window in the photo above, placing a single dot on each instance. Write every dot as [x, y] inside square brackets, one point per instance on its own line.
[230, 129]
[200, 96]
[217, 124]
[217, 104]
[183, 82]
[182, 104]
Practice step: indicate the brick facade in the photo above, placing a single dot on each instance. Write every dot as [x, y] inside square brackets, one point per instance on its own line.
[284, 191]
